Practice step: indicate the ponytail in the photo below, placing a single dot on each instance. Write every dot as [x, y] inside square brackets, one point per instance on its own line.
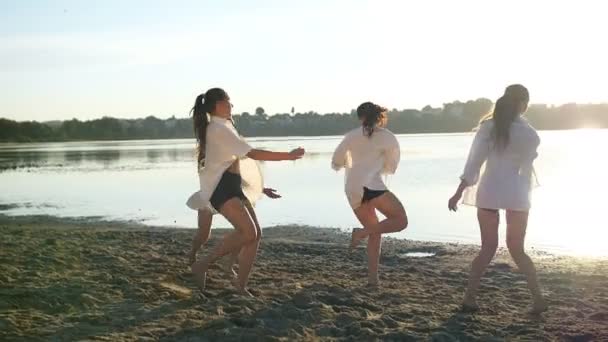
[506, 110]
[201, 121]
[372, 115]
[204, 105]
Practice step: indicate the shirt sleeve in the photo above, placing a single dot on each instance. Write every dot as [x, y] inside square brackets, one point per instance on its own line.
[534, 143]
[230, 143]
[478, 154]
[392, 155]
[527, 167]
[339, 159]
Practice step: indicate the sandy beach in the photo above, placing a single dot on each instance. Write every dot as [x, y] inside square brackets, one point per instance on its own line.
[67, 280]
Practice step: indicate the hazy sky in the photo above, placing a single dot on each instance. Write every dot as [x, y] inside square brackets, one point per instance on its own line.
[85, 59]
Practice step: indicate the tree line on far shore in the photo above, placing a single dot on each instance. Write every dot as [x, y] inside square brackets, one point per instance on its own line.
[451, 117]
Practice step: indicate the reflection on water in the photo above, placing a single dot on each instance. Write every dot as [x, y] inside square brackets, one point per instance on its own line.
[150, 181]
[119, 155]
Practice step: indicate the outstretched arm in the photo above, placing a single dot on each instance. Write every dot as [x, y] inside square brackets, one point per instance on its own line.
[276, 156]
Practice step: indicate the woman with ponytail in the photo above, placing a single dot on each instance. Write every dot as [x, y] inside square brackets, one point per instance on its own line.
[499, 174]
[230, 182]
[367, 153]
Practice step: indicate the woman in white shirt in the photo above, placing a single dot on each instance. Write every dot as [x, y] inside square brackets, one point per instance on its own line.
[230, 181]
[505, 147]
[367, 153]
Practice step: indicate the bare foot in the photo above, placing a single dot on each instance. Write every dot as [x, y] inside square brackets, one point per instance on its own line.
[199, 271]
[246, 293]
[373, 284]
[240, 289]
[356, 237]
[373, 281]
[469, 308]
[191, 258]
[228, 267]
[469, 304]
[539, 307]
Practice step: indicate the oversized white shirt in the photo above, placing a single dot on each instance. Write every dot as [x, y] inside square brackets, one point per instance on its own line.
[365, 160]
[501, 178]
[224, 147]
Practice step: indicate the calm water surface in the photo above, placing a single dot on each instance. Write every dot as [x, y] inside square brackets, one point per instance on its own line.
[149, 181]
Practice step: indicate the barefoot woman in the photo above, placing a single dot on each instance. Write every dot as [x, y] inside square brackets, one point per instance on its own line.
[367, 153]
[229, 180]
[506, 143]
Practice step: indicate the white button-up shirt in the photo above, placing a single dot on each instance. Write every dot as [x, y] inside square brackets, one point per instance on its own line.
[224, 147]
[507, 175]
[366, 159]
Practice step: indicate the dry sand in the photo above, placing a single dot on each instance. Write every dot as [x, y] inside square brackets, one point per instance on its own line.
[67, 280]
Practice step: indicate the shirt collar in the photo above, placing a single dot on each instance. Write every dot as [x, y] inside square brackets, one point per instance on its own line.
[219, 120]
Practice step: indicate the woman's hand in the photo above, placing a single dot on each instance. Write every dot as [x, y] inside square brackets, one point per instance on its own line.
[453, 202]
[297, 153]
[271, 193]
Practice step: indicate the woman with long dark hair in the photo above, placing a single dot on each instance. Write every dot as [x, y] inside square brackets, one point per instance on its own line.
[499, 175]
[367, 153]
[230, 181]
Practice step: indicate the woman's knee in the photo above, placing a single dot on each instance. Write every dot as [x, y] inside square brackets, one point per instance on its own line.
[250, 235]
[258, 235]
[402, 221]
[515, 246]
[489, 248]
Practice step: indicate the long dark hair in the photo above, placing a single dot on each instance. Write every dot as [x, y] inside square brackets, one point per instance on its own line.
[371, 114]
[506, 110]
[204, 103]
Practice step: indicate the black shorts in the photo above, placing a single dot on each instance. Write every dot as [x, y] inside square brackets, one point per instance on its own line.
[369, 194]
[228, 188]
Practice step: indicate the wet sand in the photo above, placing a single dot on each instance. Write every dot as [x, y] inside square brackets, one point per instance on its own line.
[67, 280]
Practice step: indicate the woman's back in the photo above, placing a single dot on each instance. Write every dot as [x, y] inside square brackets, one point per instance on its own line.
[366, 158]
[365, 149]
[508, 176]
[518, 154]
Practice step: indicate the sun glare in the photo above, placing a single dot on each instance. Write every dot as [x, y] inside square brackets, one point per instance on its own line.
[569, 206]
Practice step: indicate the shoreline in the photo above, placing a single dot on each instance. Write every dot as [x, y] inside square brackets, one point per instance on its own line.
[114, 281]
[272, 137]
[97, 221]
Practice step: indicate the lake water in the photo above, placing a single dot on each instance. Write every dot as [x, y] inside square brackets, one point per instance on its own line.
[149, 181]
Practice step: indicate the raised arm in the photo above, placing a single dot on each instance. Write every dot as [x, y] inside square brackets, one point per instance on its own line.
[264, 155]
[230, 145]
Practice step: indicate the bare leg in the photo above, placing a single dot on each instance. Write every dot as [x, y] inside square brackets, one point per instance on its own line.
[396, 218]
[367, 216]
[228, 264]
[245, 233]
[488, 225]
[202, 234]
[201, 237]
[517, 222]
[248, 253]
